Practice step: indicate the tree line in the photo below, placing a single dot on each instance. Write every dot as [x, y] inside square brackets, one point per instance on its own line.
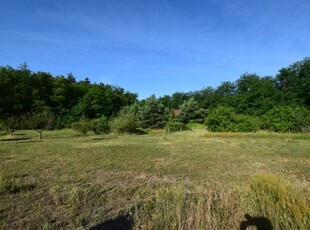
[251, 103]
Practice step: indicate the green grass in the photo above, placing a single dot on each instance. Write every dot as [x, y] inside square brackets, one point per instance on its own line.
[185, 180]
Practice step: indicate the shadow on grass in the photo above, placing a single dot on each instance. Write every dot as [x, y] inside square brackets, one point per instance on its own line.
[103, 138]
[260, 222]
[17, 139]
[120, 223]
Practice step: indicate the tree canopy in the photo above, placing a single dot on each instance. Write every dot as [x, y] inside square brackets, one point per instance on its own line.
[251, 102]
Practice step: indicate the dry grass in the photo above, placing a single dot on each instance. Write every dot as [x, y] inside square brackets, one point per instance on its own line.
[201, 179]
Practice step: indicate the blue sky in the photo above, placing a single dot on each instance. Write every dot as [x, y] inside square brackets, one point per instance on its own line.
[155, 46]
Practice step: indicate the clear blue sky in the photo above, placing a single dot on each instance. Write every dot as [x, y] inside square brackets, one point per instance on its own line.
[155, 46]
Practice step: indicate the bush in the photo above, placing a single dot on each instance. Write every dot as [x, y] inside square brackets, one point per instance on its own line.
[246, 123]
[174, 126]
[224, 119]
[125, 123]
[64, 121]
[100, 125]
[286, 118]
[221, 119]
[82, 126]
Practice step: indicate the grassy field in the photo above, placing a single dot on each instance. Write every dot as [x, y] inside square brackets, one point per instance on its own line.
[186, 180]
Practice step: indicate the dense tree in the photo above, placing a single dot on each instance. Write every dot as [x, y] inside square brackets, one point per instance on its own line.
[286, 118]
[225, 119]
[23, 91]
[190, 110]
[153, 114]
[294, 83]
[255, 95]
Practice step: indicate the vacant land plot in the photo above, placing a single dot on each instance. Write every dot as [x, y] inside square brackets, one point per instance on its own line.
[185, 180]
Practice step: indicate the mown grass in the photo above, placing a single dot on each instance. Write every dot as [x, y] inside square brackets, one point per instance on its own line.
[186, 180]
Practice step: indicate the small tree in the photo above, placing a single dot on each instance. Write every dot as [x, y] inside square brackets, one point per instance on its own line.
[190, 110]
[221, 119]
[83, 126]
[100, 125]
[11, 124]
[124, 123]
[153, 114]
[38, 121]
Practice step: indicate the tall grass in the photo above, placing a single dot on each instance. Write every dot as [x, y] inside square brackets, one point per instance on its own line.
[266, 196]
[286, 206]
[178, 208]
[262, 134]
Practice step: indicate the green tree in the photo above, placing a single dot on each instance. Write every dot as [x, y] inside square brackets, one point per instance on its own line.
[294, 83]
[225, 119]
[190, 110]
[255, 95]
[286, 118]
[100, 125]
[221, 119]
[11, 124]
[39, 121]
[153, 114]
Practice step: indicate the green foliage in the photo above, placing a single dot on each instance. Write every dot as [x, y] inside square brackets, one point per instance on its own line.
[2, 128]
[175, 126]
[100, 125]
[195, 125]
[39, 121]
[190, 110]
[246, 123]
[294, 84]
[125, 123]
[23, 91]
[82, 126]
[11, 124]
[221, 119]
[286, 118]
[64, 120]
[153, 114]
[224, 119]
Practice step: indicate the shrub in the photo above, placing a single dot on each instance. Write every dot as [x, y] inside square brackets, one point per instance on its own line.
[82, 126]
[100, 125]
[64, 121]
[175, 126]
[224, 119]
[246, 123]
[125, 123]
[286, 118]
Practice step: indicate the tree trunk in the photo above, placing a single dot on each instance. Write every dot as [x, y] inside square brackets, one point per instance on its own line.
[40, 133]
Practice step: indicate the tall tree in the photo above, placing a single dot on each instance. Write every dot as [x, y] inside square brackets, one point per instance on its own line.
[153, 114]
[190, 110]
